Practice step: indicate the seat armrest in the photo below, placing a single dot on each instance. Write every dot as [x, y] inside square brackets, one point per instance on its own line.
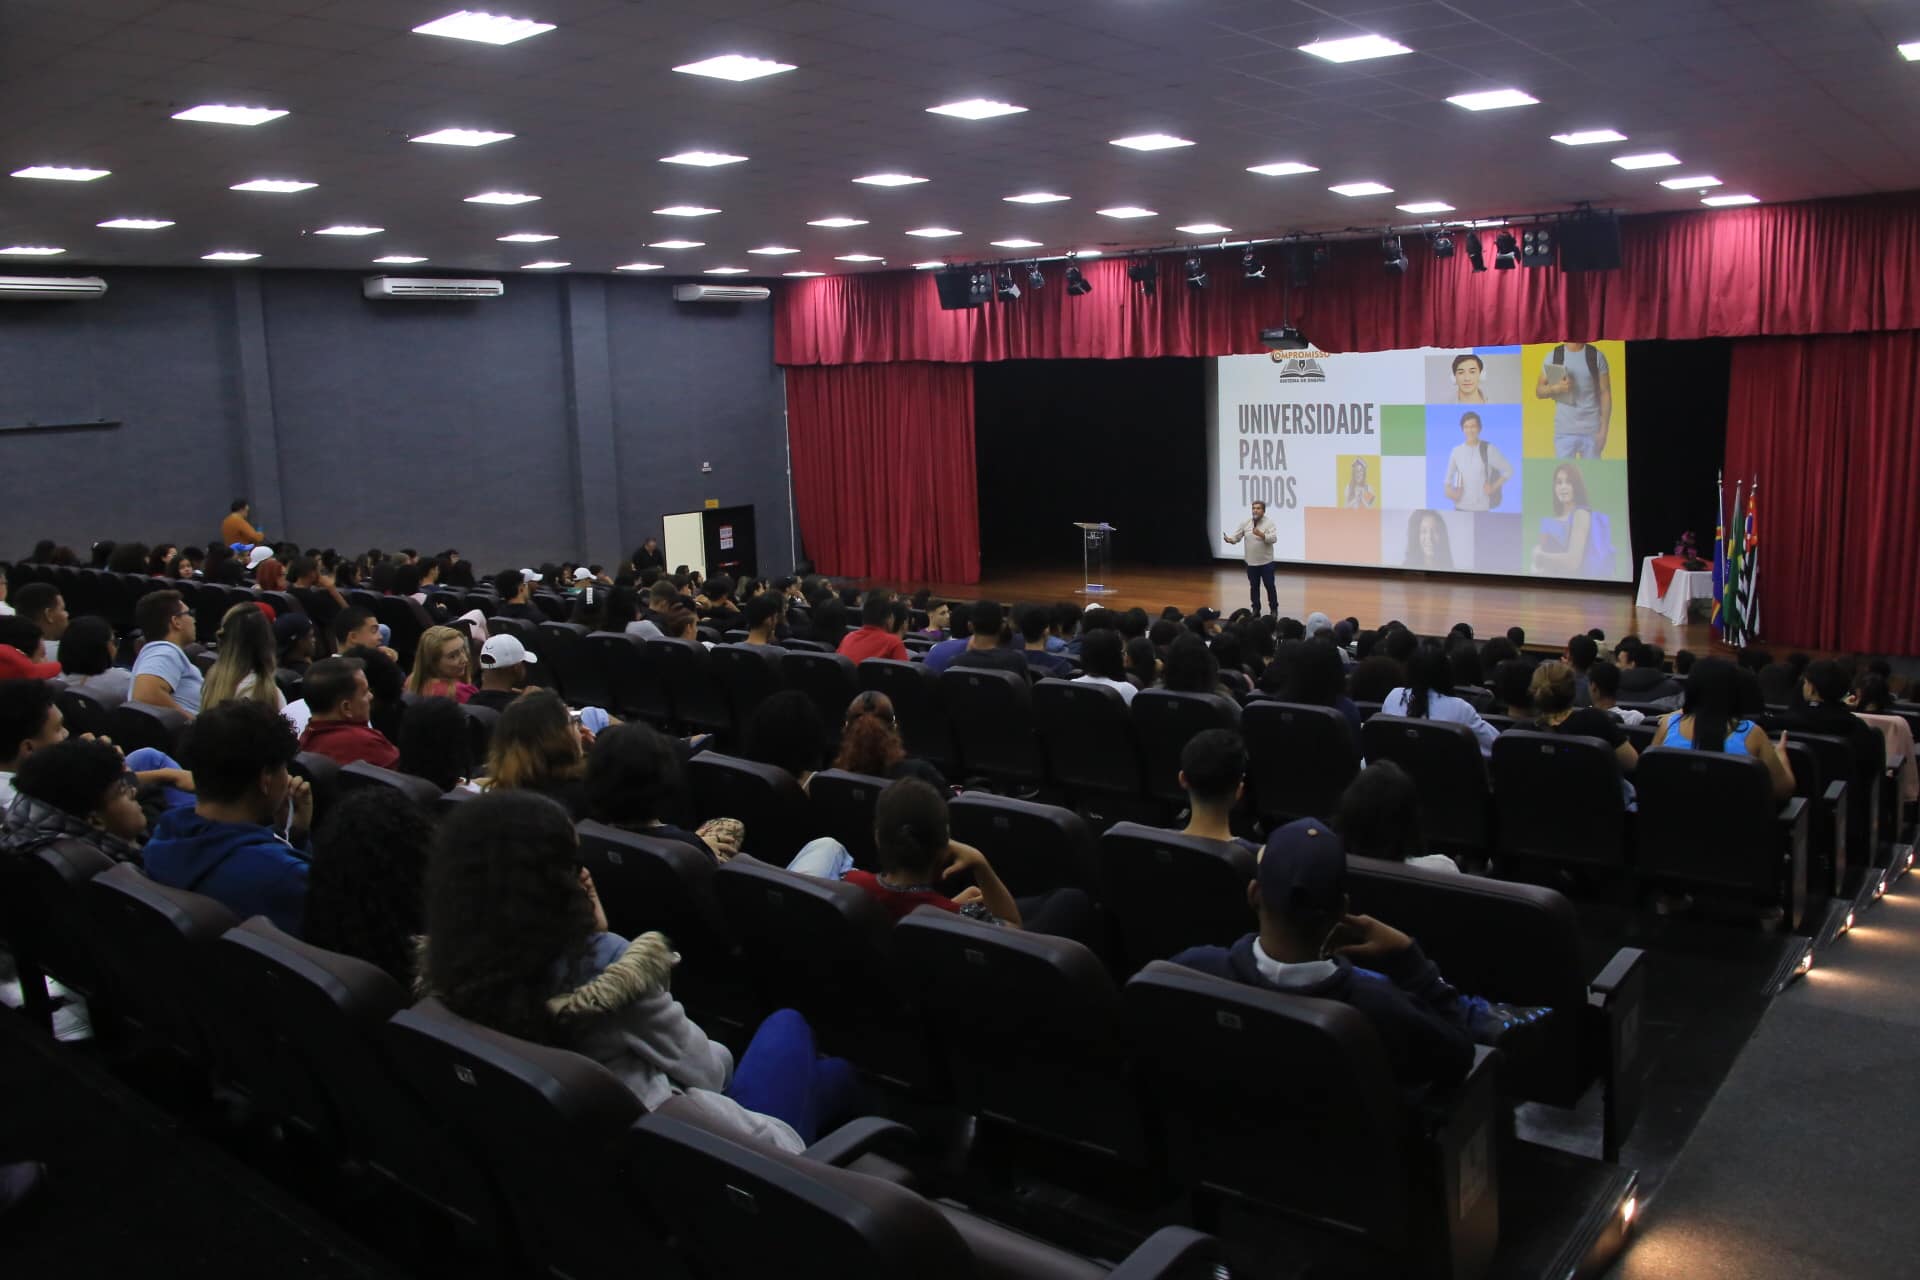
[1616, 995]
[1835, 794]
[1793, 856]
[1792, 810]
[857, 1138]
[1166, 1253]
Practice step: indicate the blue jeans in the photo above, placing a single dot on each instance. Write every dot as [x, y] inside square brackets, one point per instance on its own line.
[145, 758]
[1257, 574]
[1574, 447]
[781, 1075]
[823, 859]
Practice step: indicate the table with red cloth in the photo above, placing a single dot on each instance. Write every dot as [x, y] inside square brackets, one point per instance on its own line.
[1669, 589]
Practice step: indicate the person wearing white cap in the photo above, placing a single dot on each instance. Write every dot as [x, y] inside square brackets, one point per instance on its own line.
[515, 589]
[503, 670]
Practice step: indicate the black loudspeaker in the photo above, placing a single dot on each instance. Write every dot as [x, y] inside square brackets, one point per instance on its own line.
[963, 287]
[1590, 244]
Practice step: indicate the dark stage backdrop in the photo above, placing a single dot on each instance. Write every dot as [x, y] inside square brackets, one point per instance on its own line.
[1123, 441]
[1677, 436]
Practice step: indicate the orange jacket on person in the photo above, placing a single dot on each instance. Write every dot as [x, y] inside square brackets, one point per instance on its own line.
[236, 529]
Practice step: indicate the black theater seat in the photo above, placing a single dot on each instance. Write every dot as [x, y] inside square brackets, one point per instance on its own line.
[1033, 847]
[1448, 772]
[830, 680]
[1709, 821]
[918, 709]
[1165, 720]
[1299, 759]
[1171, 891]
[133, 725]
[843, 805]
[152, 943]
[1087, 733]
[43, 917]
[1558, 798]
[749, 674]
[763, 796]
[993, 726]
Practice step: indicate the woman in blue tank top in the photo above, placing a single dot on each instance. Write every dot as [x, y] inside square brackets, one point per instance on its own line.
[1708, 716]
[1575, 541]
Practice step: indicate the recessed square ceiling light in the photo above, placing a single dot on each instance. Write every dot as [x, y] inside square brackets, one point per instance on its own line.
[685, 211]
[859, 257]
[678, 244]
[213, 113]
[1086, 253]
[1281, 169]
[642, 266]
[60, 173]
[773, 250]
[544, 265]
[134, 224]
[725, 271]
[838, 222]
[1355, 48]
[280, 186]
[929, 266]
[1361, 189]
[1150, 142]
[1493, 99]
[1721, 202]
[527, 237]
[228, 255]
[1126, 211]
[802, 274]
[1425, 206]
[703, 159]
[1016, 244]
[889, 179]
[31, 251]
[487, 28]
[345, 229]
[1587, 137]
[501, 197]
[1647, 160]
[1698, 182]
[933, 233]
[976, 109]
[734, 66]
[1203, 229]
[398, 260]
[1036, 197]
[1910, 51]
[461, 137]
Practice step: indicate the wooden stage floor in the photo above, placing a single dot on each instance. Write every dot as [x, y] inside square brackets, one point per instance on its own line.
[1429, 603]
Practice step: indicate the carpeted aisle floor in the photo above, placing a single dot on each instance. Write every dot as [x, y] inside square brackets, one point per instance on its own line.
[1805, 1161]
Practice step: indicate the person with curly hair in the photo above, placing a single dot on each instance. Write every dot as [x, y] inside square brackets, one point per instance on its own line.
[368, 877]
[785, 731]
[517, 941]
[870, 742]
[635, 782]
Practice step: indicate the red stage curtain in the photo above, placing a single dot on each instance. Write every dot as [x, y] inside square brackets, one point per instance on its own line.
[1831, 426]
[883, 470]
[1833, 266]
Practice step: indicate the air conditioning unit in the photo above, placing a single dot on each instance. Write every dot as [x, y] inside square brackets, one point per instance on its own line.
[50, 288]
[402, 288]
[721, 293]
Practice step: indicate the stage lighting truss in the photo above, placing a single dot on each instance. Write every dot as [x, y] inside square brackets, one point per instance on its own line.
[1506, 251]
[1196, 272]
[1536, 247]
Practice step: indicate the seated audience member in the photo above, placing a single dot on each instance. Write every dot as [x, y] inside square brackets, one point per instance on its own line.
[441, 665]
[1035, 622]
[1227, 656]
[503, 672]
[661, 597]
[870, 742]
[1554, 712]
[367, 880]
[764, 615]
[387, 682]
[246, 661]
[1513, 687]
[1581, 654]
[716, 601]
[268, 573]
[357, 628]
[185, 566]
[29, 722]
[1190, 668]
[1517, 637]
[1162, 632]
[987, 646]
[1780, 681]
[158, 559]
[1309, 944]
[681, 623]
[295, 638]
[86, 662]
[1683, 661]
[318, 592]
[959, 631]
[786, 731]
[163, 675]
[538, 747]
[1213, 772]
[435, 744]
[1103, 661]
[23, 654]
[879, 636]
[1316, 677]
[1464, 657]
[1374, 677]
[939, 618]
[1872, 695]
[42, 604]
[1603, 689]
[1642, 680]
[517, 941]
[339, 703]
[515, 587]
[1428, 695]
[1824, 710]
[828, 624]
[78, 789]
[635, 781]
[1499, 650]
[226, 846]
[1707, 721]
[1143, 664]
[1379, 817]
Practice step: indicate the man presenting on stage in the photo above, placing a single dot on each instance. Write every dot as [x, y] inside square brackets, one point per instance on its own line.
[1259, 533]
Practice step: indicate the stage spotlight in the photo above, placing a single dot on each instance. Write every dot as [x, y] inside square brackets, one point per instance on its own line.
[1006, 289]
[1476, 252]
[1076, 283]
[1442, 245]
[1506, 251]
[1034, 279]
[1196, 273]
[1251, 268]
[1393, 256]
[1536, 248]
[1145, 273]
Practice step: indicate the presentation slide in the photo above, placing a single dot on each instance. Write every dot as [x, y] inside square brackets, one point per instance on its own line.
[1508, 460]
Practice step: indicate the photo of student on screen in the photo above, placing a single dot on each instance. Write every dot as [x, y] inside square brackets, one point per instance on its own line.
[1467, 371]
[1476, 471]
[1575, 541]
[1427, 544]
[1579, 381]
[1359, 495]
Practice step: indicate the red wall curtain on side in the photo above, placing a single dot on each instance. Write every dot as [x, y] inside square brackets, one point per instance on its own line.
[1831, 266]
[883, 470]
[1831, 426]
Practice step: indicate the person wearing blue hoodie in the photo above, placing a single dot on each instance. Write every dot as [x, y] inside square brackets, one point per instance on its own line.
[227, 846]
[1310, 944]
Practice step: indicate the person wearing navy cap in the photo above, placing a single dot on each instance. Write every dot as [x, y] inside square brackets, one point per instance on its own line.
[1309, 943]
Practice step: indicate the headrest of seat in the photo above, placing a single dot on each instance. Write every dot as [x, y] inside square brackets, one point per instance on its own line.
[193, 915]
[973, 952]
[575, 1087]
[361, 990]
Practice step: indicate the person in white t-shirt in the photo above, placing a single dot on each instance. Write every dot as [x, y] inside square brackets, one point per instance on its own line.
[1259, 534]
[1476, 470]
[1103, 659]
